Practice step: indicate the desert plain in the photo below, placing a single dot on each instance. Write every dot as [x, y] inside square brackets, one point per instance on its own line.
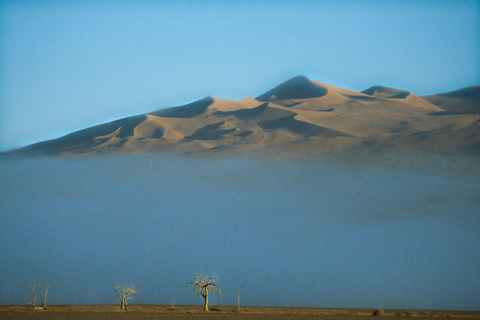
[147, 312]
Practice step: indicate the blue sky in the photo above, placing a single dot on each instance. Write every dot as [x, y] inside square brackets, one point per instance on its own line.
[68, 65]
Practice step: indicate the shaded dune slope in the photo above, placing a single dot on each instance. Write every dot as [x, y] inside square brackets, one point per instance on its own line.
[401, 96]
[190, 110]
[385, 92]
[301, 128]
[88, 139]
[463, 101]
[299, 115]
[297, 88]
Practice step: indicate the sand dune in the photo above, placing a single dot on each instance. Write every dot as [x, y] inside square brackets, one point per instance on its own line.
[402, 96]
[466, 100]
[385, 92]
[187, 111]
[297, 88]
[299, 115]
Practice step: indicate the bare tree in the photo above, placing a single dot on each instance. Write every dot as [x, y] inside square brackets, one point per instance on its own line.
[124, 293]
[34, 298]
[43, 297]
[203, 285]
[238, 299]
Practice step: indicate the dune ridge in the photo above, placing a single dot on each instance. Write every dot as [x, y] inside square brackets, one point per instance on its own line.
[300, 115]
[462, 101]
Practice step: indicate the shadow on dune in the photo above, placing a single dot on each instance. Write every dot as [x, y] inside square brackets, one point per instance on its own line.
[210, 132]
[186, 111]
[297, 88]
[385, 92]
[300, 127]
[89, 138]
[243, 113]
[463, 101]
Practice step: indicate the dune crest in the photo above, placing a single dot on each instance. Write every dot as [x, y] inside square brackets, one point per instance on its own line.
[299, 87]
[299, 116]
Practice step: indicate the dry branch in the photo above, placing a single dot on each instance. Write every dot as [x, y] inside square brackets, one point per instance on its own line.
[43, 297]
[34, 298]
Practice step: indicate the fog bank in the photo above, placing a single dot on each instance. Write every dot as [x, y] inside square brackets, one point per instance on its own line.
[318, 232]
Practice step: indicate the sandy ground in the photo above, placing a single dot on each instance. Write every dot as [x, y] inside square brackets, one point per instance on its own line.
[104, 312]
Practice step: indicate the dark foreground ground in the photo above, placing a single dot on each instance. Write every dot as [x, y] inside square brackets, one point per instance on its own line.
[147, 312]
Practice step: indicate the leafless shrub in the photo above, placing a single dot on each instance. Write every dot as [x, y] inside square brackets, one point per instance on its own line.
[34, 298]
[378, 312]
[43, 297]
[216, 309]
[173, 306]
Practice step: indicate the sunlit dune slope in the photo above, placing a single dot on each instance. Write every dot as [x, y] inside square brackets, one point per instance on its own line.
[298, 116]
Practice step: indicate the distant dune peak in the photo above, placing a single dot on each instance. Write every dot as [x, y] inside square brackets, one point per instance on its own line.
[386, 92]
[299, 87]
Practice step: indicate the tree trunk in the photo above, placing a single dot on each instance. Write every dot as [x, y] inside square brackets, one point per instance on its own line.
[43, 297]
[206, 300]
